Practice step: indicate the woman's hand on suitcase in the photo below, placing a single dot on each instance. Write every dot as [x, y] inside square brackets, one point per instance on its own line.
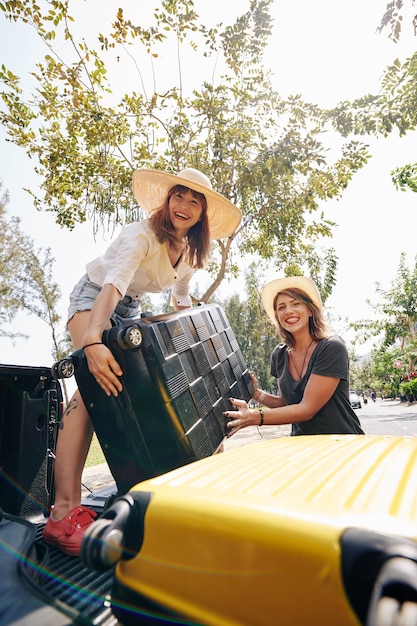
[242, 416]
[104, 368]
[254, 380]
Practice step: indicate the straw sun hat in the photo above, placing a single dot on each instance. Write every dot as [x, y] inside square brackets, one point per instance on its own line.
[271, 289]
[150, 189]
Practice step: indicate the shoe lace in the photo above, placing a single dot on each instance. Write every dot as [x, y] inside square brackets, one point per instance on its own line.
[81, 517]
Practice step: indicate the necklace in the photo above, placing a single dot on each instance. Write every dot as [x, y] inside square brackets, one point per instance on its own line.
[177, 262]
[176, 252]
[304, 360]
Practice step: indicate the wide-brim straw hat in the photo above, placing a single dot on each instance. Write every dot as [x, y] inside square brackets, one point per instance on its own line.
[271, 289]
[150, 189]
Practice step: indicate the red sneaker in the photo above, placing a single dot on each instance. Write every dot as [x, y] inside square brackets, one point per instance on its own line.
[67, 534]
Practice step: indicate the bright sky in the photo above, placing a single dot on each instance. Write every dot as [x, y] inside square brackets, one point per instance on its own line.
[324, 50]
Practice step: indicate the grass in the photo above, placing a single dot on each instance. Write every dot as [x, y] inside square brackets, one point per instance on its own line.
[95, 455]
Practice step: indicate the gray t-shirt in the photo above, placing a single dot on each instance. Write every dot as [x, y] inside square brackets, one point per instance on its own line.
[329, 358]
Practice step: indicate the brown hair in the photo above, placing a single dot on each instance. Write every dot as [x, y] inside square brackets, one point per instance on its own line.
[198, 237]
[317, 324]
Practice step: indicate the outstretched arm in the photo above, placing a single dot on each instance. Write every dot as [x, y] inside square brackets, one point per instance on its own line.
[317, 393]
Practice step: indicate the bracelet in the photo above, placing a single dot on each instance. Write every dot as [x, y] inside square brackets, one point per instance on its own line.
[261, 396]
[261, 413]
[95, 343]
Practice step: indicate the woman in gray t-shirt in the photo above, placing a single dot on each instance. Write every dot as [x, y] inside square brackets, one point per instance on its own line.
[311, 367]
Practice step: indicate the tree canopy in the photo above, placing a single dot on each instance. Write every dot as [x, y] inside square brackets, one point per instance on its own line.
[394, 107]
[395, 329]
[396, 312]
[26, 282]
[86, 134]
[12, 275]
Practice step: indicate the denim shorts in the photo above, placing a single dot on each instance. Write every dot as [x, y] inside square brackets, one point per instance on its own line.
[84, 294]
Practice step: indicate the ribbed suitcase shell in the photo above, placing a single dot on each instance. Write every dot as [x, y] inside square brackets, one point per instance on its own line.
[176, 386]
[253, 537]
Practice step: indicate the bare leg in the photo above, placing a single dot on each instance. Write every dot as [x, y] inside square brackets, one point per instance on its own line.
[74, 438]
[73, 443]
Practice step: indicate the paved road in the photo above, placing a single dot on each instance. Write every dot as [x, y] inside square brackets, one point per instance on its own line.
[383, 417]
[388, 417]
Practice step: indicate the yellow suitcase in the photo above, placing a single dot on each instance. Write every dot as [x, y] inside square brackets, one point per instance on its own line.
[291, 531]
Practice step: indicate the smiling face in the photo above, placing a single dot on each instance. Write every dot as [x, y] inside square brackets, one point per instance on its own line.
[292, 314]
[185, 209]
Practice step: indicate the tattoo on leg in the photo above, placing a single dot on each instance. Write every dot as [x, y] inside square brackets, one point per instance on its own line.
[72, 405]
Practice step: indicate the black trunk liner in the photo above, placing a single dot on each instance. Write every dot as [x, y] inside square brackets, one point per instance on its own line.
[65, 583]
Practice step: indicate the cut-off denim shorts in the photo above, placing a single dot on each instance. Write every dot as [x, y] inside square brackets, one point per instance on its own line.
[84, 294]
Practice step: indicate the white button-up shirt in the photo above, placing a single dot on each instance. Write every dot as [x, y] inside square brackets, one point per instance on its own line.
[136, 264]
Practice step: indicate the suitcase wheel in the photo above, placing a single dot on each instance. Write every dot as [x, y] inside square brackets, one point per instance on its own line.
[394, 598]
[391, 612]
[102, 545]
[117, 534]
[63, 369]
[128, 338]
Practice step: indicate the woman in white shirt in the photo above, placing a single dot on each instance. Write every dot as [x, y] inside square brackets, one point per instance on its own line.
[160, 252]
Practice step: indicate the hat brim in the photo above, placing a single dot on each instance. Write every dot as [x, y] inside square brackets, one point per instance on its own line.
[150, 189]
[271, 289]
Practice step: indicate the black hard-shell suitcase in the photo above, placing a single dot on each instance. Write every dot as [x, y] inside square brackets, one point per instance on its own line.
[30, 411]
[179, 369]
